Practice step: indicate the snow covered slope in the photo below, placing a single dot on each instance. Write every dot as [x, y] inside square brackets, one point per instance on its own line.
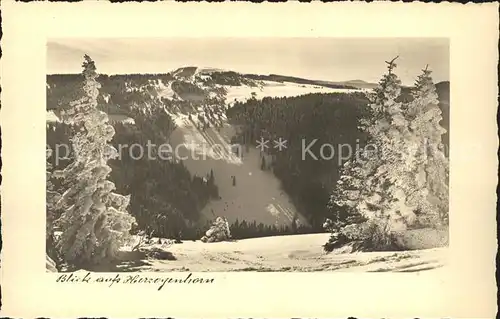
[257, 194]
[276, 89]
[287, 253]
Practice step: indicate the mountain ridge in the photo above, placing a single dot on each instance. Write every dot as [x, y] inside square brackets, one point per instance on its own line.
[189, 71]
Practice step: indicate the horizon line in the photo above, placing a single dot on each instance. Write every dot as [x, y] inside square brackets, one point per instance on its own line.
[242, 73]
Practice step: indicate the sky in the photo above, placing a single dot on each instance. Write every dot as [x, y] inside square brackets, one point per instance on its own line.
[330, 59]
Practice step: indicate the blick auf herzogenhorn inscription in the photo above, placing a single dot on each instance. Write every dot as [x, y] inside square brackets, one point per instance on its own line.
[132, 279]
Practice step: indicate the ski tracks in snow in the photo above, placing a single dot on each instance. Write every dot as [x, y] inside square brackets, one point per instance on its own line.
[210, 142]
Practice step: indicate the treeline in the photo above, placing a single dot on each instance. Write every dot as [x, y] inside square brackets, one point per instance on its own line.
[188, 90]
[244, 230]
[327, 118]
[228, 78]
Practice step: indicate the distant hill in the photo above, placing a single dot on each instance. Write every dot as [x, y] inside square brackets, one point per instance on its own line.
[443, 89]
[196, 85]
[192, 84]
[334, 85]
[360, 84]
[187, 84]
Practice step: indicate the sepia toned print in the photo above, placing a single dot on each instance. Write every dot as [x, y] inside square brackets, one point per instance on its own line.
[249, 154]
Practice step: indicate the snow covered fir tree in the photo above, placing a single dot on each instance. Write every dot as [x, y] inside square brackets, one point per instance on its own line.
[95, 223]
[432, 169]
[218, 232]
[52, 198]
[236, 190]
[399, 179]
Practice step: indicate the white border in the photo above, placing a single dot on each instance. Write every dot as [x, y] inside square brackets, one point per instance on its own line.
[466, 290]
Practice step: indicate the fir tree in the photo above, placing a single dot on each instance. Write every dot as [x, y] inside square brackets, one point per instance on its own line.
[96, 222]
[372, 183]
[294, 223]
[52, 197]
[211, 178]
[219, 231]
[429, 187]
[263, 163]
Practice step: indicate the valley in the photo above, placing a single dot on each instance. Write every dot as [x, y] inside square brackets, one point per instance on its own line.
[258, 194]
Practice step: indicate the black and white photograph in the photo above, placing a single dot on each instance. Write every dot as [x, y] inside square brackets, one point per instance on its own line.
[273, 154]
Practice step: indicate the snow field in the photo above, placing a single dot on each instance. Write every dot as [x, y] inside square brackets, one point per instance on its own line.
[289, 253]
